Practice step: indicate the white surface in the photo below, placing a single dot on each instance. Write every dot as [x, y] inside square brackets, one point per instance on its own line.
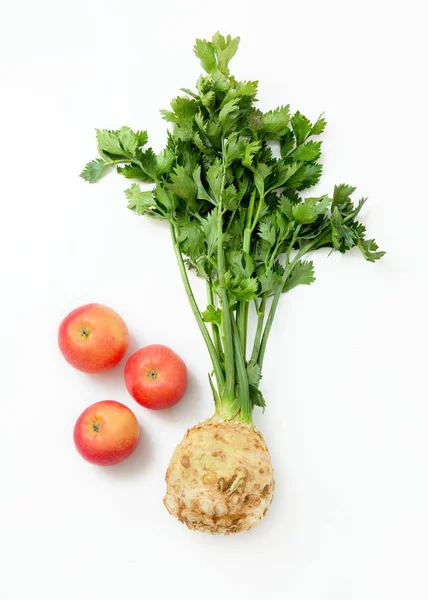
[345, 375]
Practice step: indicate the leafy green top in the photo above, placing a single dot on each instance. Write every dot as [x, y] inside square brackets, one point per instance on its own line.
[236, 212]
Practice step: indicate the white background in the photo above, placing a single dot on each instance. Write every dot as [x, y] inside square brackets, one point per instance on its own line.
[345, 376]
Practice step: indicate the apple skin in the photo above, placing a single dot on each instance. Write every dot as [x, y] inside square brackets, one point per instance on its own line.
[93, 338]
[156, 377]
[106, 433]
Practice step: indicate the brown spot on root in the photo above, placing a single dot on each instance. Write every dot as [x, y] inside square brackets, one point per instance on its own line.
[266, 490]
[261, 471]
[185, 461]
[252, 500]
[220, 454]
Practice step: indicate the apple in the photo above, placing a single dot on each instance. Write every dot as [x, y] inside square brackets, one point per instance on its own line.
[156, 377]
[93, 338]
[106, 433]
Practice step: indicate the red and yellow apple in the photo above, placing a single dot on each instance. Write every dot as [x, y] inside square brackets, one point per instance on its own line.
[93, 338]
[156, 377]
[106, 433]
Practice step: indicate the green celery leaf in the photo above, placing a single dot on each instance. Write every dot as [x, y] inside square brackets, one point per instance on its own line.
[306, 176]
[310, 209]
[134, 172]
[348, 209]
[149, 163]
[256, 397]
[202, 194]
[220, 82]
[287, 143]
[93, 170]
[343, 237]
[267, 231]
[184, 108]
[109, 142]
[308, 152]
[213, 131]
[203, 268]
[341, 194]
[268, 279]
[284, 227]
[205, 52]
[276, 121]
[230, 198]
[255, 120]
[246, 289]
[212, 315]
[197, 140]
[244, 90]
[208, 100]
[128, 140]
[251, 148]
[191, 239]
[225, 49]
[254, 373]
[301, 127]
[214, 178]
[201, 122]
[241, 264]
[234, 148]
[138, 201]
[210, 229]
[228, 116]
[286, 207]
[370, 250]
[283, 174]
[166, 198]
[319, 126]
[303, 273]
[183, 186]
[164, 161]
[142, 137]
[263, 170]
[359, 229]
[190, 93]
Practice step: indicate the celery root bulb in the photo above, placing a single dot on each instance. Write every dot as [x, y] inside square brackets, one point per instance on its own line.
[220, 478]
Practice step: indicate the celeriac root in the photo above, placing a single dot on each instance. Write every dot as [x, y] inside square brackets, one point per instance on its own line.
[220, 478]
